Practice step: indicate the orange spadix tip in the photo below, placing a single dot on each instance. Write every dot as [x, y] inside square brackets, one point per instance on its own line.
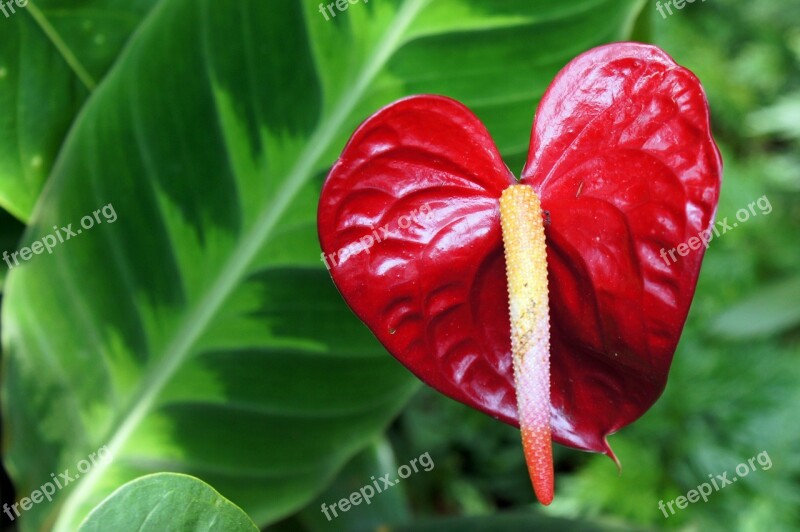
[537, 445]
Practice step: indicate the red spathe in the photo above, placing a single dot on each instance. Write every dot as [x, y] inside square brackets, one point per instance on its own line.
[623, 160]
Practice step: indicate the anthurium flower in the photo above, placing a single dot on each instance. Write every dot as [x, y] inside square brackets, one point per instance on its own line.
[544, 302]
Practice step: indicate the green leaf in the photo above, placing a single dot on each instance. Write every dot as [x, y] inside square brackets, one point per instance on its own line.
[193, 327]
[167, 501]
[772, 310]
[52, 56]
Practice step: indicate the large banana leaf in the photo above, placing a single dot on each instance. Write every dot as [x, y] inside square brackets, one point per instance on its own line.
[193, 328]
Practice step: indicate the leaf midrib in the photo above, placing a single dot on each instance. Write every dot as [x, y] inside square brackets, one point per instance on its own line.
[234, 270]
[58, 43]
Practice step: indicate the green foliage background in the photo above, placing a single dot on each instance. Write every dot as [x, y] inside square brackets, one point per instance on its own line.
[346, 411]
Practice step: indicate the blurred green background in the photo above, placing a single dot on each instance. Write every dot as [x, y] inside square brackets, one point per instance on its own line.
[733, 391]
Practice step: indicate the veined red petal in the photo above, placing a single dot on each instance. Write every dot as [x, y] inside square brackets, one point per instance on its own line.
[623, 160]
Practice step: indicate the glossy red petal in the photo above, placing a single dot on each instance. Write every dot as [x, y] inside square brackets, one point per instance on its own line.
[431, 286]
[622, 157]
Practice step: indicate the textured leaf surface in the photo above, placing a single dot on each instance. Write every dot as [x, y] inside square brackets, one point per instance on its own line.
[167, 501]
[624, 162]
[199, 332]
[52, 56]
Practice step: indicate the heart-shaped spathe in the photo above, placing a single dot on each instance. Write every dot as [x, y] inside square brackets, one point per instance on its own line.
[623, 160]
